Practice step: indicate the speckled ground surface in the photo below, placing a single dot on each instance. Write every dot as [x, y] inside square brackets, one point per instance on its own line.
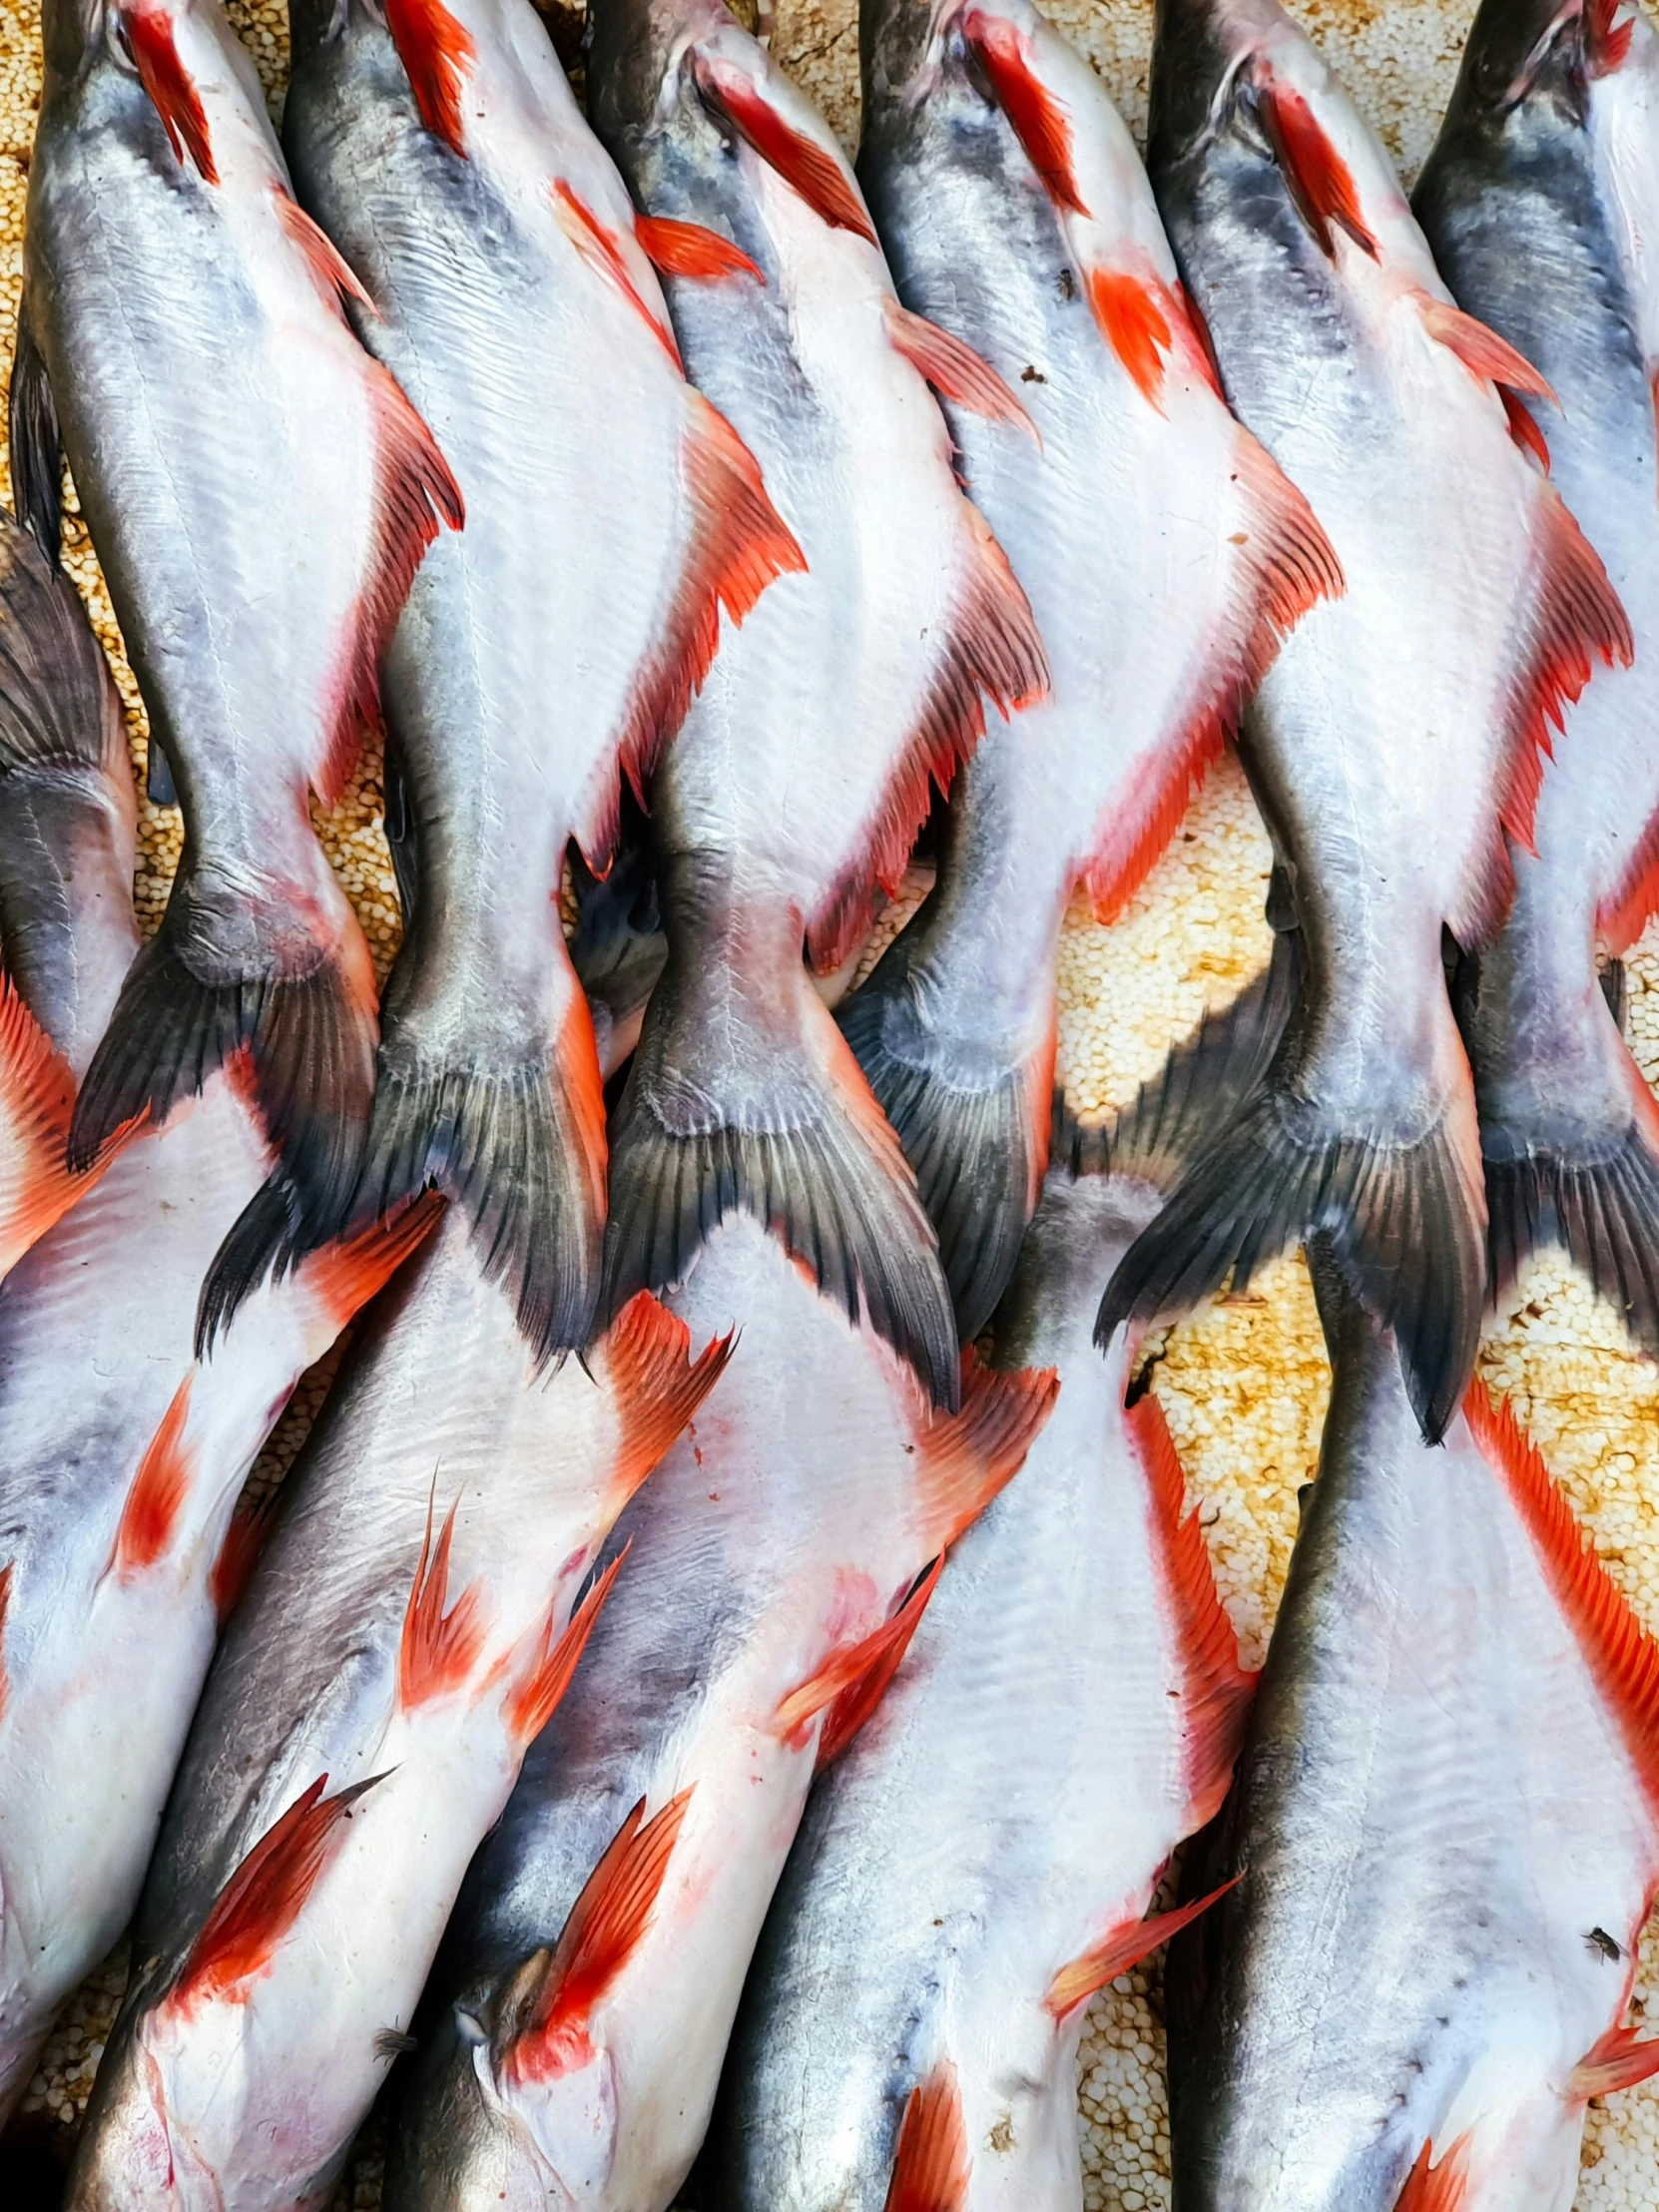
[1245, 1383]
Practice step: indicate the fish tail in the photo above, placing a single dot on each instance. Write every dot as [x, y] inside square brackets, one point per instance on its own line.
[745, 1096]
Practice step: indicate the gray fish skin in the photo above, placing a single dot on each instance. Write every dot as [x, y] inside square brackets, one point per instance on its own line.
[1540, 200]
[1445, 1822]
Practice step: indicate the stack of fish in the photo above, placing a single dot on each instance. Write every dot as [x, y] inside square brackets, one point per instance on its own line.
[726, 1681]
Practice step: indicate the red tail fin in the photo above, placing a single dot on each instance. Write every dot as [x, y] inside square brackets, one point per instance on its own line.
[692, 250]
[158, 1490]
[967, 1456]
[437, 53]
[1116, 1952]
[545, 1681]
[147, 33]
[954, 368]
[1036, 116]
[1315, 174]
[658, 1388]
[931, 2168]
[1439, 2188]
[814, 172]
[1620, 2060]
[438, 1650]
[853, 1669]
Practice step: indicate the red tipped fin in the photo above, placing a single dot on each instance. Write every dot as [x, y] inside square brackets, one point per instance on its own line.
[336, 279]
[1118, 1952]
[692, 250]
[1441, 2187]
[954, 368]
[1620, 2060]
[243, 1541]
[968, 1455]
[147, 33]
[931, 2168]
[658, 1385]
[347, 1275]
[604, 254]
[437, 53]
[1523, 427]
[1622, 917]
[263, 1899]
[1134, 324]
[37, 1102]
[859, 1699]
[851, 1668]
[1620, 1654]
[1479, 347]
[1315, 174]
[5, 1603]
[812, 171]
[1607, 42]
[438, 1650]
[159, 1491]
[535, 1697]
[1036, 116]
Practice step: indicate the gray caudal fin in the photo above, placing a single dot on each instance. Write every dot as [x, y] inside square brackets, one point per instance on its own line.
[1600, 1204]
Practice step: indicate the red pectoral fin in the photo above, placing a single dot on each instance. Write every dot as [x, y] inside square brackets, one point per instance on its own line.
[1618, 2061]
[954, 368]
[811, 170]
[1036, 116]
[336, 277]
[848, 1674]
[1134, 324]
[158, 1490]
[1481, 349]
[1438, 2187]
[437, 53]
[1606, 42]
[148, 36]
[438, 1650]
[1315, 174]
[931, 2168]
[536, 1696]
[692, 250]
[1124, 1948]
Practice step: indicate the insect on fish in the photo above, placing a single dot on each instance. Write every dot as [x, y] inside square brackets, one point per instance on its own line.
[259, 492]
[801, 775]
[1542, 202]
[1396, 743]
[1015, 212]
[1445, 1834]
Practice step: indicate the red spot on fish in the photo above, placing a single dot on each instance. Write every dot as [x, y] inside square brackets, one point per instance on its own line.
[954, 368]
[438, 1650]
[243, 1541]
[1036, 118]
[1315, 174]
[658, 1388]
[158, 1492]
[544, 1681]
[604, 254]
[810, 170]
[1440, 2187]
[437, 52]
[851, 1680]
[1123, 1948]
[147, 34]
[692, 250]
[347, 1275]
[1135, 325]
[931, 2168]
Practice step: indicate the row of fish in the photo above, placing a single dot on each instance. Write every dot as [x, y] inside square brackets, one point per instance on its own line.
[429, 418]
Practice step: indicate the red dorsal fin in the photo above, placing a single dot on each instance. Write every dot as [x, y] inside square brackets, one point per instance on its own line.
[1441, 2187]
[810, 169]
[658, 1385]
[1620, 1654]
[990, 647]
[347, 1275]
[1620, 2060]
[692, 250]
[1135, 325]
[437, 53]
[1481, 349]
[438, 1650]
[604, 254]
[1606, 41]
[1315, 174]
[954, 368]
[851, 1665]
[1215, 1690]
[1120, 1950]
[1523, 427]
[1623, 917]
[147, 33]
[535, 1696]
[931, 2168]
[739, 543]
[263, 1899]
[243, 1541]
[37, 1100]
[5, 1603]
[336, 277]
[966, 1456]
[1036, 116]
[159, 1491]
[605, 1927]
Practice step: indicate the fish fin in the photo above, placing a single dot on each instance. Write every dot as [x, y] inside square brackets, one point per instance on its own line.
[1315, 174]
[969, 1456]
[1438, 2187]
[37, 1101]
[975, 1136]
[1606, 42]
[931, 2168]
[1406, 1218]
[336, 279]
[1622, 1658]
[820, 176]
[158, 1492]
[1620, 2060]
[346, 1274]
[739, 545]
[1037, 118]
[5, 1607]
[1481, 349]
[954, 368]
[658, 1385]
[147, 34]
[606, 1925]
[990, 647]
[437, 52]
[1135, 325]
[36, 445]
[1625, 912]
[239, 1554]
[742, 1095]
[438, 1649]
[1523, 427]
[606, 255]
[692, 250]
[860, 1670]
[1215, 1689]
[535, 1696]
[59, 708]
[263, 1898]
[1120, 1951]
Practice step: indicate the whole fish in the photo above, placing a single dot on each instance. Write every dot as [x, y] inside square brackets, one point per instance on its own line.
[1444, 1834]
[259, 492]
[406, 1631]
[612, 513]
[1394, 746]
[1542, 202]
[1015, 212]
[580, 2008]
[803, 772]
[978, 1863]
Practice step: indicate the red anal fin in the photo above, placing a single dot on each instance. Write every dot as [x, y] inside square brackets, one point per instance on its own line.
[1215, 1690]
[438, 1649]
[1523, 427]
[36, 1103]
[347, 1275]
[1620, 2060]
[954, 367]
[158, 1492]
[1036, 116]
[811, 170]
[604, 255]
[336, 277]
[535, 1697]
[1437, 2187]
[605, 1927]
[148, 35]
[263, 1899]
[1606, 43]
[1134, 324]
[852, 1667]
[437, 52]
[931, 2168]
[965, 1457]
[243, 1541]
[859, 1699]
[1118, 1952]
[1315, 174]
[658, 1385]
[1483, 353]
[5, 1605]
[1620, 1654]
[692, 250]
[1622, 917]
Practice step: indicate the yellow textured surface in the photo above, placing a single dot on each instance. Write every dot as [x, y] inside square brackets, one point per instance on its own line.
[1245, 1383]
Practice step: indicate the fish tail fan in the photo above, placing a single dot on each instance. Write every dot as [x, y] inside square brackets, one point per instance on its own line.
[744, 1096]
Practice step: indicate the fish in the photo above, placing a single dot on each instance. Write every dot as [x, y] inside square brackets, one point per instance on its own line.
[1396, 746]
[777, 1562]
[981, 1860]
[1540, 200]
[1443, 1837]
[803, 770]
[259, 493]
[1017, 215]
[412, 1619]
[546, 652]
